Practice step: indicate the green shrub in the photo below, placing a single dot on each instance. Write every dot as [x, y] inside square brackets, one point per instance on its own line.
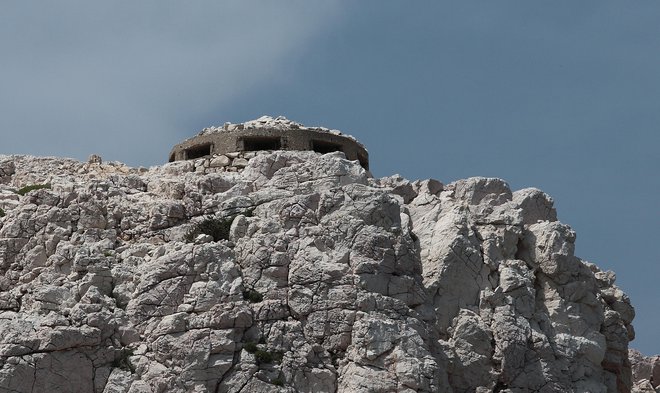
[262, 356]
[252, 296]
[123, 362]
[2, 212]
[217, 228]
[279, 381]
[32, 187]
[250, 347]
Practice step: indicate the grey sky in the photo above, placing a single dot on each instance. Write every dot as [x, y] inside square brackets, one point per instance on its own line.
[559, 95]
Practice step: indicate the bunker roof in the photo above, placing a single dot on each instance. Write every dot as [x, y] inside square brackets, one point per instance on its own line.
[269, 133]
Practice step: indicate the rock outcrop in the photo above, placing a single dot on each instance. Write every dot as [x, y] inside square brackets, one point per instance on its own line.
[646, 372]
[314, 278]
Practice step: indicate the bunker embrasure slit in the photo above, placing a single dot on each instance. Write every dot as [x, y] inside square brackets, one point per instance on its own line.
[198, 151]
[325, 147]
[257, 143]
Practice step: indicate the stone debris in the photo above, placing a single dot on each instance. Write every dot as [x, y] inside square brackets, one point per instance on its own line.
[313, 277]
[95, 159]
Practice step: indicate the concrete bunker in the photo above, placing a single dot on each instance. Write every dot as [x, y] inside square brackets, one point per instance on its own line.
[268, 134]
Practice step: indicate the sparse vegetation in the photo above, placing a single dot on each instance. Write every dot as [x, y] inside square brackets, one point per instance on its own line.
[217, 228]
[262, 356]
[123, 362]
[279, 381]
[252, 296]
[335, 357]
[2, 212]
[32, 187]
[250, 347]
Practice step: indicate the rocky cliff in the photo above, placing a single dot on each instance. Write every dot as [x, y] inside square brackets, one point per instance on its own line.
[294, 272]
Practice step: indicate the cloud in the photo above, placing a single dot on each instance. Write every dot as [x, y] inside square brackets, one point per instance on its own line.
[121, 78]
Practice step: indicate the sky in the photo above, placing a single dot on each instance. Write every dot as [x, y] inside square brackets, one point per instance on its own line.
[561, 95]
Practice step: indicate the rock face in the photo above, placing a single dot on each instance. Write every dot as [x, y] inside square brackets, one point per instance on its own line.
[646, 372]
[328, 281]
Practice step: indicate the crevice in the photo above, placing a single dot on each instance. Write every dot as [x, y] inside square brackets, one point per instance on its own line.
[500, 386]
[522, 252]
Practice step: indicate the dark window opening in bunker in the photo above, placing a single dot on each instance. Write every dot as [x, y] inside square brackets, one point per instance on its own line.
[324, 147]
[261, 143]
[172, 157]
[198, 151]
[363, 161]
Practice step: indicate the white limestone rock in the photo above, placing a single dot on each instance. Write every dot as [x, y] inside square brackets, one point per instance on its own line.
[646, 372]
[313, 277]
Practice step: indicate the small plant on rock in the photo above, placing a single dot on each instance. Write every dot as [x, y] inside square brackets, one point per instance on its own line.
[217, 228]
[123, 362]
[2, 212]
[252, 296]
[250, 347]
[262, 356]
[279, 381]
[32, 187]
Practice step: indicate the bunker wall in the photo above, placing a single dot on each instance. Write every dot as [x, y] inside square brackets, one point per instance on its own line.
[268, 139]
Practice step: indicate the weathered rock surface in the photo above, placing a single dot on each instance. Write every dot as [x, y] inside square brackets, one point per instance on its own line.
[329, 281]
[645, 371]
